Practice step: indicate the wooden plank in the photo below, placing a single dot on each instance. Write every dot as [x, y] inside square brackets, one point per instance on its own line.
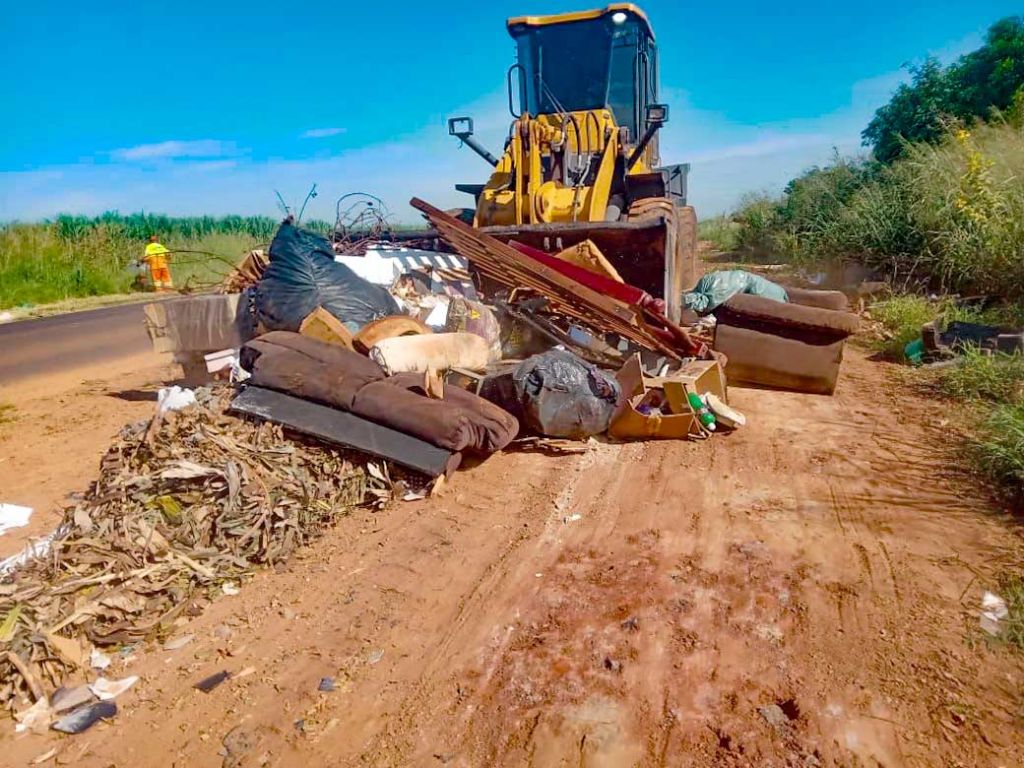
[345, 429]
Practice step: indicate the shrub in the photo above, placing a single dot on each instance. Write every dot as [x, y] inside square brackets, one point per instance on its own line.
[995, 378]
[998, 451]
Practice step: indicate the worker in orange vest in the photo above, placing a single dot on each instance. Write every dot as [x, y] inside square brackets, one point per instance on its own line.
[157, 257]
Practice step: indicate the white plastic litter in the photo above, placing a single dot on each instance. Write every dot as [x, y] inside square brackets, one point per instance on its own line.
[6, 317]
[438, 316]
[382, 266]
[36, 718]
[34, 549]
[727, 416]
[174, 399]
[993, 612]
[13, 516]
[98, 659]
[229, 589]
[105, 690]
[226, 360]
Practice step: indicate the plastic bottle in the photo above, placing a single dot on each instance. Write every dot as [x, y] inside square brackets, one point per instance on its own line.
[707, 418]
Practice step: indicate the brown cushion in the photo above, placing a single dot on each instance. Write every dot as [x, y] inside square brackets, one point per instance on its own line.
[461, 421]
[761, 314]
[821, 299]
[308, 368]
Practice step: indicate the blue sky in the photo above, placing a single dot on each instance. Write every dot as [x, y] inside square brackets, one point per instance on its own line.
[187, 108]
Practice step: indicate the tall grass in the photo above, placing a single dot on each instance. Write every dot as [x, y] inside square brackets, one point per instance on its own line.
[949, 217]
[993, 378]
[997, 451]
[43, 263]
[139, 226]
[720, 231]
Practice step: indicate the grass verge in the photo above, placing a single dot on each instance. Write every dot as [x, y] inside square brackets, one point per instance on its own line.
[720, 231]
[1011, 589]
[989, 387]
[997, 452]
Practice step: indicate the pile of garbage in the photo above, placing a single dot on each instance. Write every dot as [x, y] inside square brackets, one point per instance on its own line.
[185, 505]
[333, 362]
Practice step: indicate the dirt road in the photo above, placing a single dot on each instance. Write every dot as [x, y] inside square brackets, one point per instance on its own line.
[803, 592]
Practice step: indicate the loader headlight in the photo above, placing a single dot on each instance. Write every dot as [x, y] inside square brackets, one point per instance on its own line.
[618, 17]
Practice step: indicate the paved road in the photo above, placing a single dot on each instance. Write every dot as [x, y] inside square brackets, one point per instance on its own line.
[33, 347]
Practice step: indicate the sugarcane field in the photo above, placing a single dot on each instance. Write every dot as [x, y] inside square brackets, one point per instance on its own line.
[639, 394]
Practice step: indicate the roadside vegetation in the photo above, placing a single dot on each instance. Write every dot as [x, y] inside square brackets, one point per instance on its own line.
[936, 208]
[79, 256]
[938, 205]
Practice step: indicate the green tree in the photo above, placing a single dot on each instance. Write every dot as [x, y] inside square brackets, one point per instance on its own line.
[967, 90]
[914, 113]
[990, 76]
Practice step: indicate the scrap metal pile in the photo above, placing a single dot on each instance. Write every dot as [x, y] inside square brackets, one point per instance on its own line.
[182, 505]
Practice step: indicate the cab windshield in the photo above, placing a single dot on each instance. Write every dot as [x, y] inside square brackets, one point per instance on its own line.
[582, 65]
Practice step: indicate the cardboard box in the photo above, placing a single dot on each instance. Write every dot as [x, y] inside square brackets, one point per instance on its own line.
[698, 376]
[676, 419]
[629, 423]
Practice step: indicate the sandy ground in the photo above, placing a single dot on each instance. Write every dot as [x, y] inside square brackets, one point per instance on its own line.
[803, 592]
[60, 426]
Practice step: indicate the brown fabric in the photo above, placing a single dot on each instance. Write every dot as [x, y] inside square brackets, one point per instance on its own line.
[779, 362]
[835, 300]
[759, 313]
[329, 374]
[461, 421]
[308, 368]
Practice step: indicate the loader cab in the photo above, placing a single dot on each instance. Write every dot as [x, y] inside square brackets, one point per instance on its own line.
[577, 62]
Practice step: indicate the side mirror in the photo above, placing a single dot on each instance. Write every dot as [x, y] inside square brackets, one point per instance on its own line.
[460, 127]
[657, 114]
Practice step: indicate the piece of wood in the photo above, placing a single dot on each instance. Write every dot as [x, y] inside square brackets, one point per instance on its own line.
[347, 429]
[323, 326]
[589, 257]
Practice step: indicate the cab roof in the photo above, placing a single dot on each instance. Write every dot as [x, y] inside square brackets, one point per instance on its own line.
[596, 13]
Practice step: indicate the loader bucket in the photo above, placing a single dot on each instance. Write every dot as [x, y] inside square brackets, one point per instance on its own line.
[637, 250]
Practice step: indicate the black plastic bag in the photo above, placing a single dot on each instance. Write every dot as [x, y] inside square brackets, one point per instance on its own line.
[303, 275]
[563, 396]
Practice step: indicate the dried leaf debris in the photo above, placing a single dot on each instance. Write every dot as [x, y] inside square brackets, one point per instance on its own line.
[182, 505]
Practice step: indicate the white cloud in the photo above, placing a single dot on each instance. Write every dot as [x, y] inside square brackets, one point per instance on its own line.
[321, 133]
[169, 150]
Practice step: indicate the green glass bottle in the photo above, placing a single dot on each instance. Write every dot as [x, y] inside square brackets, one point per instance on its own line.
[707, 418]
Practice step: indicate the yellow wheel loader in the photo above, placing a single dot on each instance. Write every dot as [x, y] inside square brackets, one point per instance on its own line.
[581, 160]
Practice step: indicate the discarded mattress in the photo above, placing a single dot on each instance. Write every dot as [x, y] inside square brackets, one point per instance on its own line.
[329, 374]
[342, 428]
[309, 368]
